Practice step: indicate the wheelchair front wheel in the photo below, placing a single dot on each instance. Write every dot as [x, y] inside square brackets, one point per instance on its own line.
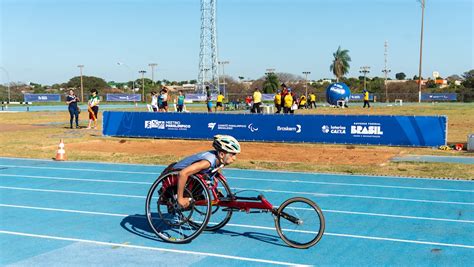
[300, 222]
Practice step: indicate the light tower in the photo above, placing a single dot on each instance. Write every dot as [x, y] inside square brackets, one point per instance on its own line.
[365, 70]
[422, 2]
[386, 71]
[208, 49]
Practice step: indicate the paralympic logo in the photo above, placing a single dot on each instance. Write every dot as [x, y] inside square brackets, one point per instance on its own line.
[211, 125]
[251, 128]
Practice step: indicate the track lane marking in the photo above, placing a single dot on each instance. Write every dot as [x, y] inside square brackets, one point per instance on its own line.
[265, 171]
[268, 228]
[95, 242]
[254, 189]
[260, 179]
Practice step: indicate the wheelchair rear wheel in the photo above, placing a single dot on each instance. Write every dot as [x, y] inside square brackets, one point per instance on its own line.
[167, 219]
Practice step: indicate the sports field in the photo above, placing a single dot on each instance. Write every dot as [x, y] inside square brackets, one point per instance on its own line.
[37, 134]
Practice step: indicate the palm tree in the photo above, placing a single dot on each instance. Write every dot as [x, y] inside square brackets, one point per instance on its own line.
[340, 65]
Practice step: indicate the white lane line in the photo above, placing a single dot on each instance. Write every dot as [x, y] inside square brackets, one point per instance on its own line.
[70, 192]
[270, 228]
[74, 179]
[397, 216]
[355, 196]
[252, 189]
[150, 248]
[324, 210]
[67, 210]
[260, 179]
[77, 169]
[349, 184]
[267, 171]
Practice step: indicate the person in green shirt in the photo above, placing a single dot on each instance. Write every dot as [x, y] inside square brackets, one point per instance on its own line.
[180, 101]
[93, 108]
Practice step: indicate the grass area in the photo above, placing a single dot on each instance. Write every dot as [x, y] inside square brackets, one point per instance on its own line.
[36, 135]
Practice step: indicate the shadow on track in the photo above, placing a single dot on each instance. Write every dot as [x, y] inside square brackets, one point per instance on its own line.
[138, 224]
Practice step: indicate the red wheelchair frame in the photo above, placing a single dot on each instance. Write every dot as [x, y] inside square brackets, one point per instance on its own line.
[201, 188]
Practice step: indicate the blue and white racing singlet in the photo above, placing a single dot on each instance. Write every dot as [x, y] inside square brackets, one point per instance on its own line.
[210, 156]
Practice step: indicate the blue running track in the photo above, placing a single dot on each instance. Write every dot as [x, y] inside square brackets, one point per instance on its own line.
[85, 213]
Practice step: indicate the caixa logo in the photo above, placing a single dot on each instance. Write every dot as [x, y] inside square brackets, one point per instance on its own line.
[368, 130]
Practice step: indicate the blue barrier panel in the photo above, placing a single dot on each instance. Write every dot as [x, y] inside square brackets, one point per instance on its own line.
[439, 97]
[42, 97]
[350, 129]
[360, 97]
[123, 97]
[200, 97]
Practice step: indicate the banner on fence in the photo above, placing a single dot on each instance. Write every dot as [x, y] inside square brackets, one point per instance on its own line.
[439, 97]
[340, 129]
[42, 97]
[360, 97]
[123, 97]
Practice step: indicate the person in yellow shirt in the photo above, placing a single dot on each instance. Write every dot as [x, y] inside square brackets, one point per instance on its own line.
[302, 103]
[220, 99]
[257, 101]
[277, 101]
[312, 100]
[366, 99]
[287, 103]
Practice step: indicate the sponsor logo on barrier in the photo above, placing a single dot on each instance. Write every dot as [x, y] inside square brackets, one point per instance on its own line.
[325, 129]
[211, 125]
[154, 124]
[170, 125]
[296, 129]
[333, 129]
[364, 129]
[252, 128]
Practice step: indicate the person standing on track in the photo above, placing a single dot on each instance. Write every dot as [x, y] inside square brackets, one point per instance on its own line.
[93, 108]
[72, 100]
[366, 99]
[257, 101]
[180, 101]
[219, 102]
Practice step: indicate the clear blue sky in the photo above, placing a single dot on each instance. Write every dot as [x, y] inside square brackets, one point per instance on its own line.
[43, 41]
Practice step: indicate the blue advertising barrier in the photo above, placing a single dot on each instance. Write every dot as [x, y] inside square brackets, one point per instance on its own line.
[123, 97]
[350, 129]
[42, 97]
[439, 97]
[360, 97]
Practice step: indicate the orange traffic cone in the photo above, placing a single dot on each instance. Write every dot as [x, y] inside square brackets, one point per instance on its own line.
[61, 153]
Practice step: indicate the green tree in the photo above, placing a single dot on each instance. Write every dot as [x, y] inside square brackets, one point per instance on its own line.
[340, 65]
[468, 79]
[89, 82]
[271, 83]
[400, 76]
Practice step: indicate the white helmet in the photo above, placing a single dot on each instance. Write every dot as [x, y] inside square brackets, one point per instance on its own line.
[226, 143]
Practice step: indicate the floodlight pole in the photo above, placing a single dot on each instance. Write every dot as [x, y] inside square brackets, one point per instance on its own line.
[421, 48]
[365, 70]
[143, 84]
[223, 63]
[82, 84]
[8, 84]
[153, 65]
[386, 71]
[306, 81]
